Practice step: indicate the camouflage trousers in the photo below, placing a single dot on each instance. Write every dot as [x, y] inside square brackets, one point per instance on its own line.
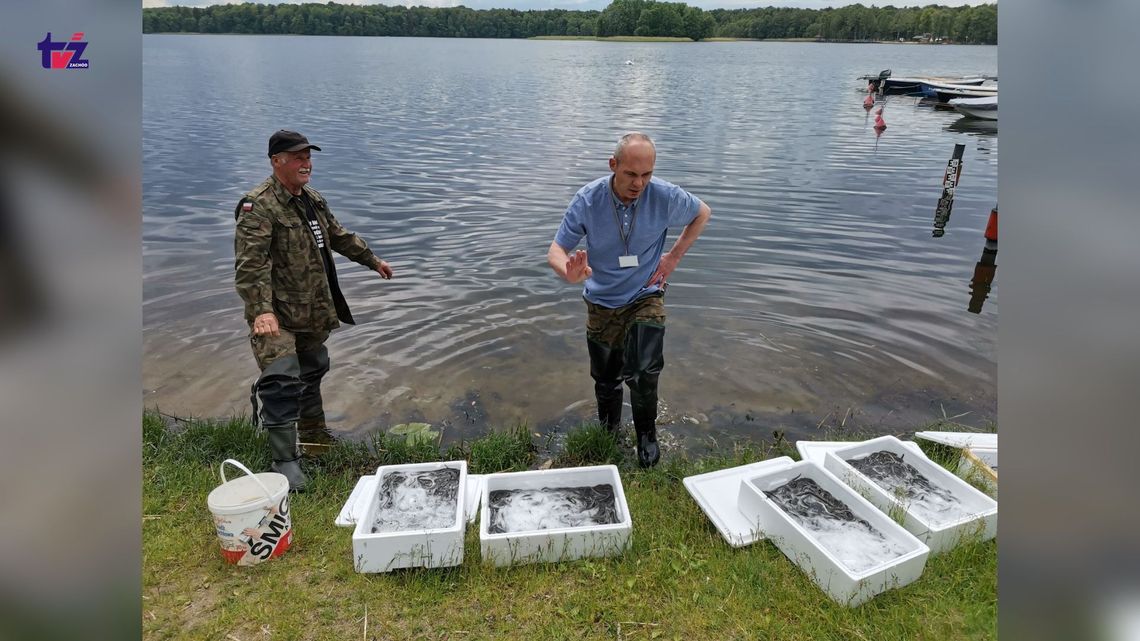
[610, 326]
[289, 388]
[626, 345]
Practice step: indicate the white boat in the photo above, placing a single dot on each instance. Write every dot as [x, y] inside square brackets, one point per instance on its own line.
[985, 108]
[930, 87]
[914, 85]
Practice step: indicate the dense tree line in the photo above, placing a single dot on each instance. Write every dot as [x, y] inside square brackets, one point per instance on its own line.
[621, 18]
[977, 25]
[369, 20]
[649, 18]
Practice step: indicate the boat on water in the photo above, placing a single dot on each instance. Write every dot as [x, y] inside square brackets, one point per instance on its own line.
[914, 85]
[887, 84]
[930, 86]
[984, 108]
[946, 95]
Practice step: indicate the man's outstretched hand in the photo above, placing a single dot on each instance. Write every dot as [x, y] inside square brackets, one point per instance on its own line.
[577, 267]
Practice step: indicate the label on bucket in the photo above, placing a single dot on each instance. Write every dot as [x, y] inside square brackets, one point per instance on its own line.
[255, 536]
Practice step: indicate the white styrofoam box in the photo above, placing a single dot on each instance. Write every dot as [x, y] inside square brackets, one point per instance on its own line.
[835, 578]
[985, 440]
[716, 493]
[353, 509]
[981, 518]
[814, 451]
[986, 456]
[474, 496]
[430, 548]
[982, 471]
[561, 544]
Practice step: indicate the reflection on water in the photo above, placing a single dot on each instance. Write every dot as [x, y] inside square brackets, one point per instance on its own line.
[986, 267]
[982, 282]
[974, 127]
[815, 288]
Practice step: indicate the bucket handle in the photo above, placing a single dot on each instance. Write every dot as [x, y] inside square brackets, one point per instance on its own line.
[222, 471]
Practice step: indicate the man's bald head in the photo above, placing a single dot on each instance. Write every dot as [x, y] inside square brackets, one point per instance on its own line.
[634, 139]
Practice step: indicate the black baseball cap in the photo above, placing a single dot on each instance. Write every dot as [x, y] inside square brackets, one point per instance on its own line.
[285, 140]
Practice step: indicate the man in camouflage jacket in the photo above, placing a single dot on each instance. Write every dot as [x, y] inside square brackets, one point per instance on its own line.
[286, 277]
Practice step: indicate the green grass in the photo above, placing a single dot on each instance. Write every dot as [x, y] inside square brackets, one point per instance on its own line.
[506, 451]
[393, 449]
[678, 580]
[590, 444]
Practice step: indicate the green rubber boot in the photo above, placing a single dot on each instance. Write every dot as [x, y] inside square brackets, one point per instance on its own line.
[286, 453]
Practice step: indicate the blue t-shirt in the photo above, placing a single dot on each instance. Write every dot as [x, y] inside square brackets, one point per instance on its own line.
[594, 212]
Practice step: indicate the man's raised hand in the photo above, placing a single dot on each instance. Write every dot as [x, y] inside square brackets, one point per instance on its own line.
[577, 267]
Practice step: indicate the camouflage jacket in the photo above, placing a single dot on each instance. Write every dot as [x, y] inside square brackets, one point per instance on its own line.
[278, 266]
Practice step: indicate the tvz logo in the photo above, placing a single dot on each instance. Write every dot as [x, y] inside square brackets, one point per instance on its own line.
[63, 54]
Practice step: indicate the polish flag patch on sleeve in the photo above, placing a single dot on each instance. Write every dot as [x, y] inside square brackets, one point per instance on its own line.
[247, 207]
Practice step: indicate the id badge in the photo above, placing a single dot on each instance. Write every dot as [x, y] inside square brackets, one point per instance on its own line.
[627, 261]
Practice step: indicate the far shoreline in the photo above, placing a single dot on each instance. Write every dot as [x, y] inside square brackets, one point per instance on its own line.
[589, 38]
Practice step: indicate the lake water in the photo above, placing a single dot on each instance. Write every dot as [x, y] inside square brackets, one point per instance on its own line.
[817, 294]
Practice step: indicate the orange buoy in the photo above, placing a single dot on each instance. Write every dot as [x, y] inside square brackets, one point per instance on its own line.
[869, 101]
[991, 226]
[879, 122]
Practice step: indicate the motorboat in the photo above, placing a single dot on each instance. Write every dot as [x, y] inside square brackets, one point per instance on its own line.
[946, 95]
[914, 85]
[930, 86]
[887, 84]
[984, 108]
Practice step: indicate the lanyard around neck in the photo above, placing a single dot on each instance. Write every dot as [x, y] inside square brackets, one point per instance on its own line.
[617, 218]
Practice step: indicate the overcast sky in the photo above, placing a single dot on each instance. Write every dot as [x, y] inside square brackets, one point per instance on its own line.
[595, 4]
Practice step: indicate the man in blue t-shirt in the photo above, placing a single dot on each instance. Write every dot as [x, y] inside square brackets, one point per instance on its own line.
[624, 218]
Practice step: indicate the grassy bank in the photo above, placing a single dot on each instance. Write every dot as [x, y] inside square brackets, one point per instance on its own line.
[679, 579]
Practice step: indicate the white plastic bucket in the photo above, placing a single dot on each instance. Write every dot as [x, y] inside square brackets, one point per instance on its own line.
[251, 515]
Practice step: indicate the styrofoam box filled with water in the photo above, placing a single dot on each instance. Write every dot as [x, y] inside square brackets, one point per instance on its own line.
[414, 518]
[936, 506]
[850, 549]
[546, 516]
